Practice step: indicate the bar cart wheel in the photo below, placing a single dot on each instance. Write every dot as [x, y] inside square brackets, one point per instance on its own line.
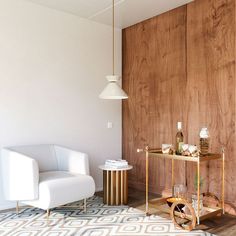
[183, 215]
[209, 198]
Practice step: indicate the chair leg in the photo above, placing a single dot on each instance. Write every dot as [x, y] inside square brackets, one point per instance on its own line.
[48, 213]
[17, 207]
[85, 205]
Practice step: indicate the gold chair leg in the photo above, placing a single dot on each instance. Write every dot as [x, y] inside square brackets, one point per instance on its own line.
[17, 207]
[85, 205]
[48, 213]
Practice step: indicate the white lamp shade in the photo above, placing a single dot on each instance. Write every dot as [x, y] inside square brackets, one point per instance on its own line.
[113, 90]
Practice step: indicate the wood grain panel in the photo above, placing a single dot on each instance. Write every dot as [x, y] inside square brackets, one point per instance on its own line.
[180, 66]
[153, 66]
[211, 83]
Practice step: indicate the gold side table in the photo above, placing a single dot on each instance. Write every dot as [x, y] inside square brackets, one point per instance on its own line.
[115, 185]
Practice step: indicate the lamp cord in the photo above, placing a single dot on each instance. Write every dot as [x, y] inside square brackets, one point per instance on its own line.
[113, 37]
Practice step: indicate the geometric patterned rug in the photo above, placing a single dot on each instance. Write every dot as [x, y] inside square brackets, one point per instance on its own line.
[99, 220]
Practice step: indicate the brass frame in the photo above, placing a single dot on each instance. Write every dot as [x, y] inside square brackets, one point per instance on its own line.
[147, 151]
[223, 182]
[172, 176]
[157, 153]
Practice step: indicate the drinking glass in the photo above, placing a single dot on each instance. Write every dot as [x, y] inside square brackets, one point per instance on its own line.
[182, 191]
[179, 191]
[176, 191]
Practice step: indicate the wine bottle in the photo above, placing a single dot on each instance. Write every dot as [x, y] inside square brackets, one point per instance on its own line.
[179, 139]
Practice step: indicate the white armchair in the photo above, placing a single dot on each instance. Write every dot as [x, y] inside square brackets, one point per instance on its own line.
[45, 176]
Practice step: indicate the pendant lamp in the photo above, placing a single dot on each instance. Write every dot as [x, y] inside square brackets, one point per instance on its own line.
[113, 90]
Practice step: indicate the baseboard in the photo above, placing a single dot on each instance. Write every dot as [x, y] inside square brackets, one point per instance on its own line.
[7, 206]
[99, 189]
[10, 205]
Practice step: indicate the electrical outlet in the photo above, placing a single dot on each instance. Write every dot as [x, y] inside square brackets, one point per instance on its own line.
[109, 125]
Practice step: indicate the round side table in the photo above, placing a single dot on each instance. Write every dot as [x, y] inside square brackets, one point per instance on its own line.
[115, 185]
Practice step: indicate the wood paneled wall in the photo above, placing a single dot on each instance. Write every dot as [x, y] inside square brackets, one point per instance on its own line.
[180, 66]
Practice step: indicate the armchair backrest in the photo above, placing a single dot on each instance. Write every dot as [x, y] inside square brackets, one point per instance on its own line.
[20, 175]
[44, 155]
[21, 166]
[70, 160]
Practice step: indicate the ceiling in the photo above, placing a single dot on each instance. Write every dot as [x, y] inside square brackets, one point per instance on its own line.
[128, 12]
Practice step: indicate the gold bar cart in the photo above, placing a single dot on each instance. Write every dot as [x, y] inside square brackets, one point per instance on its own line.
[160, 203]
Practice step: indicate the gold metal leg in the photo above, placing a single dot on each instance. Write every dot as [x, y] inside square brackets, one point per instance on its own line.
[172, 176]
[48, 213]
[17, 207]
[147, 179]
[198, 191]
[85, 205]
[223, 181]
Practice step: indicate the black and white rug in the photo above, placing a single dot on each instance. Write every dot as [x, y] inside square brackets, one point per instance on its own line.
[99, 220]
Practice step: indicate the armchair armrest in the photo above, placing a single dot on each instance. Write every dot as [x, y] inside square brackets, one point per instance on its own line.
[20, 175]
[72, 161]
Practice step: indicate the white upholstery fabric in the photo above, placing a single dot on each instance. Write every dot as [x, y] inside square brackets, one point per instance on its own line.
[20, 176]
[43, 154]
[65, 177]
[72, 161]
[57, 188]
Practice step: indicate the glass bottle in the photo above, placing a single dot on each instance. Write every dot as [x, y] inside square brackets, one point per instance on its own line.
[179, 139]
[204, 141]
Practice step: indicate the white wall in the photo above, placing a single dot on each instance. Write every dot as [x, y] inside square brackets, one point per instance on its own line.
[52, 69]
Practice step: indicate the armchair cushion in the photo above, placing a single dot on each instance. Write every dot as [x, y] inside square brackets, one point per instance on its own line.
[57, 188]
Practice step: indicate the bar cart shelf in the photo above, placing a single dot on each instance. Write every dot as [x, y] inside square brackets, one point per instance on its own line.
[181, 208]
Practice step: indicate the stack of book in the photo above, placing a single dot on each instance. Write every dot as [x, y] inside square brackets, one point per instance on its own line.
[116, 164]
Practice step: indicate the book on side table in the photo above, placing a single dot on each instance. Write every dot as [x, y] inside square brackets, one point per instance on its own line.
[116, 164]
